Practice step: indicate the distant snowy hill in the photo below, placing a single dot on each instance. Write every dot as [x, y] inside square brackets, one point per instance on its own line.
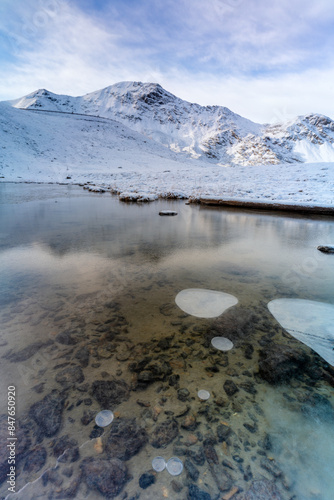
[211, 133]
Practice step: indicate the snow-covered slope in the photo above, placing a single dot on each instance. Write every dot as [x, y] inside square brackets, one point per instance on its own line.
[44, 146]
[213, 133]
[55, 147]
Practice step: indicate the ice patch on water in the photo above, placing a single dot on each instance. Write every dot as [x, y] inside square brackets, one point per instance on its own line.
[104, 418]
[222, 343]
[204, 303]
[309, 321]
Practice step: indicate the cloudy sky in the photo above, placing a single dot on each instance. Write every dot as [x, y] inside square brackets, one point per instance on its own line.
[266, 60]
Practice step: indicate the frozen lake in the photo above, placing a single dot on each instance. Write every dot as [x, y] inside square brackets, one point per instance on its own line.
[89, 322]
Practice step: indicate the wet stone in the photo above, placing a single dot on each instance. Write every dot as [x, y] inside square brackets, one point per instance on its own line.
[82, 355]
[279, 363]
[87, 417]
[83, 387]
[164, 433]
[211, 454]
[176, 485]
[39, 388]
[189, 423]
[223, 432]
[96, 432]
[52, 476]
[109, 393]
[249, 349]
[27, 352]
[223, 479]
[173, 380]
[197, 455]
[236, 324]
[66, 449]
[194, 493]
[249, 387]
[192, 471]
[183, 394]
[22, 444]
[47, 414]
[108, 477]
[146, 480]
[263, 490]
[125, 439]
[317, 407]
[69, 492]
[35, 459]
[70, 376]
[251, 427]
[230, 388]
[270, 466]
[66, 338]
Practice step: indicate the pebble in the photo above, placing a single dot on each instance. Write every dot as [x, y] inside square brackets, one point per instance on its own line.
[146, 480]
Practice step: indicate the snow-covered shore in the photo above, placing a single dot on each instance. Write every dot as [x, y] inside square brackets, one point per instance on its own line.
[58, 148]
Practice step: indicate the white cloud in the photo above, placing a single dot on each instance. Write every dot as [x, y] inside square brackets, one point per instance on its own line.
[213, 55]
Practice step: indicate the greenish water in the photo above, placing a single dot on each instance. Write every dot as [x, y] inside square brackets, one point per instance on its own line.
[81, 263]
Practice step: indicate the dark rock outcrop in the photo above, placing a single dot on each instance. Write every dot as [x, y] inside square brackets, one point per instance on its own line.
[164, 433]
[279, 363]
[105, 476]
[125, 439]
[48, 413]
[109, 393]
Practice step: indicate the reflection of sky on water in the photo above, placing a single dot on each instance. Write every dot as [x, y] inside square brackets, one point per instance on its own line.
[58, 228]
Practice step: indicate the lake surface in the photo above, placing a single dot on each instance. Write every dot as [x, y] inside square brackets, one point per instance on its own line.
[89, 323]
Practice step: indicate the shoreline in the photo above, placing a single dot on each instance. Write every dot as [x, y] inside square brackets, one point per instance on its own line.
[134, 197]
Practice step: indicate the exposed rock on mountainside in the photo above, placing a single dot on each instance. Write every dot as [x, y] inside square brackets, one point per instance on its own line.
[212, 133]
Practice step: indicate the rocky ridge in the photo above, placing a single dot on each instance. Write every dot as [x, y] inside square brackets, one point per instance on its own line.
[211, 133]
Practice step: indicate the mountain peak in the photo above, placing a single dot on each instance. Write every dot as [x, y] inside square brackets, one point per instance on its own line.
[213, 133]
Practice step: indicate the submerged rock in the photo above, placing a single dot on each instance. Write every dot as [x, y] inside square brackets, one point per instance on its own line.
[27, 352]
[230, 388]
[66, 449]
[66, 338]
[70, 376]
[279, 363]
[35, 460]
[82, 355]
[164, 433]
[21, 445]
[194, 493]
[109, 393]
[48, 413]
[105, 476]
[146, 480]
[262, 490]
[326, 248]
[192, 471]
[125, 439]
[319, 408]
[236, 324]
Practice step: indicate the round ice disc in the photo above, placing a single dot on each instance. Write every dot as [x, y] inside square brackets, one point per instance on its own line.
[158, 464]
[203, 394]
[104, 418]
[174, 466]
[222, 343]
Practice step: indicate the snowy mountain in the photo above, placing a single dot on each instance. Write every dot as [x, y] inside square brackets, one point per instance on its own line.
[211, 133]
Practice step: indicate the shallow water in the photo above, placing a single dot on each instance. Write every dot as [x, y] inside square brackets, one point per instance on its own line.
[105, 275]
